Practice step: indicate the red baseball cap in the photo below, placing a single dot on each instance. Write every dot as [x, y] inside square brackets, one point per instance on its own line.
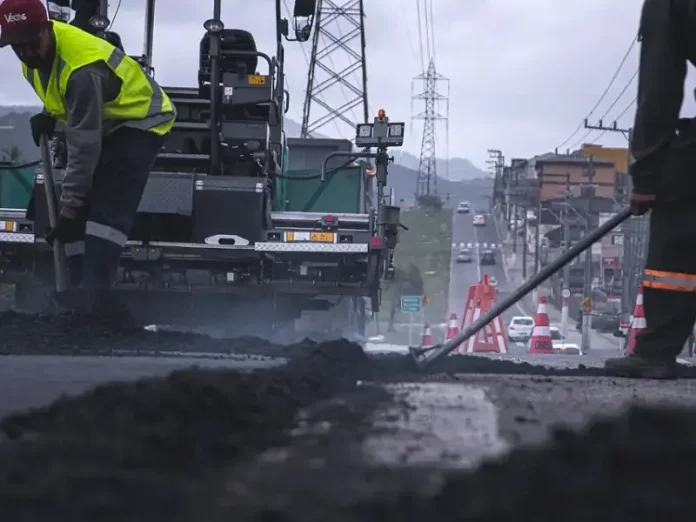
[21, 21]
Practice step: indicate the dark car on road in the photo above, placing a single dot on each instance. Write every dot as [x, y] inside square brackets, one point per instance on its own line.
[487, 257]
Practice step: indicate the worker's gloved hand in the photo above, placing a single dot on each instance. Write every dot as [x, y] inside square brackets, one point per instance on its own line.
[64, 231]
[42, 124]
[642, 203]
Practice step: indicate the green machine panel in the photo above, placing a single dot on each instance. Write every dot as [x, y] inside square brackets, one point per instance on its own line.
[16, 185]
[341, 192]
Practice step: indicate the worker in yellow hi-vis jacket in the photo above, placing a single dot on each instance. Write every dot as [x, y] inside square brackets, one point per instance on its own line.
[115, 118]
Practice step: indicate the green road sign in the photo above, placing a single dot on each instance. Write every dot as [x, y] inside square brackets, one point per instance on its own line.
[411, 304]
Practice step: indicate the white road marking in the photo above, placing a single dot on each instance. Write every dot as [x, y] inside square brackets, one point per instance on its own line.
[451, 425]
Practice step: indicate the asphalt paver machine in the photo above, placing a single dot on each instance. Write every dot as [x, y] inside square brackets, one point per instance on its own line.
[213, 240]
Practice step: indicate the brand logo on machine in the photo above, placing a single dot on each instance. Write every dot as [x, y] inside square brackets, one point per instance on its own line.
[15, 17]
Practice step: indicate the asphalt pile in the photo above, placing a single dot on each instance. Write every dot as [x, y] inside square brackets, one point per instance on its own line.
[186, 448]
[154, 449]
[51, 334]
[639, 465]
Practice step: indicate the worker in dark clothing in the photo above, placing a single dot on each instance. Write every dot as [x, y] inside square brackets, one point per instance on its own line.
[662, 168]
[115, 119]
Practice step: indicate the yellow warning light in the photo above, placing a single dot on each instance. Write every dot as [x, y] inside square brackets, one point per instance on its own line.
[381, 115]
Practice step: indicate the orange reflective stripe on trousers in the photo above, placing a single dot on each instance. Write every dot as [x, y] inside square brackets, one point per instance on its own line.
[673, 281]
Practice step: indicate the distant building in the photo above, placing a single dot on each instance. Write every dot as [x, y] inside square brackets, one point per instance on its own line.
[552, 169]
[617, 155]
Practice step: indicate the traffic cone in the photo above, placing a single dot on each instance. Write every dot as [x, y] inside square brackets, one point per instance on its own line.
[427, 340]
[637, 323]
[490, 338]
[452, 331]
[541, 335]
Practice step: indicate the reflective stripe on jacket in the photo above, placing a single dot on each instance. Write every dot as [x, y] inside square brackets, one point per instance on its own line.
[669, 281]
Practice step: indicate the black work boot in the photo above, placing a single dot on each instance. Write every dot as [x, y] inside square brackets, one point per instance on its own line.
[637, 367]
[94, 306]
[69, 301]
[108, 309]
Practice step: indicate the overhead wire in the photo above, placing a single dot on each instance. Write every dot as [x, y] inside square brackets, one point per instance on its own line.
[420, 33]
[432, 29]
[628, 107]
[620, 95]
[427, 30]
[118, 8]
[618, 117]
[604, 94]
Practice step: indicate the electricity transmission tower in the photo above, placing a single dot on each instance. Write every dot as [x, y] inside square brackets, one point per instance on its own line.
[430, 95]
[337, 68]
[427, 86]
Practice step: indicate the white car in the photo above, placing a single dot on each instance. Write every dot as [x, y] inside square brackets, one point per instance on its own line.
[560, 345]
[463, 207]
[520, 328]
[492, 281]
[479, 220]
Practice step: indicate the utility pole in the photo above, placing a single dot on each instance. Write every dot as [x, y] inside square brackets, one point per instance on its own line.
[635, 233]
[496, 161]
[524, 243]
[587, 313]
[337, 69]
[537, 233]
[566, 244]
[515, 214]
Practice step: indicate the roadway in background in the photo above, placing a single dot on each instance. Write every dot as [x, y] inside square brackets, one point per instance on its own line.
[463, 275]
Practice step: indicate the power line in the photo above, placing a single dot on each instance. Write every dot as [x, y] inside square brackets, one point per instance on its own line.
[601, 126]
[627, 108]
[432, 29]
[601, 98]
[420, 34]
[118, 8]
[620, 94]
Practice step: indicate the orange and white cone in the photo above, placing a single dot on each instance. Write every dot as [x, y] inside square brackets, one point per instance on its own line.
[638, 322]
[452, 331]
[427, 340]
[541, 335]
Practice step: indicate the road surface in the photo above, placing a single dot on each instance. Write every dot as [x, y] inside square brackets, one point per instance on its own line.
[463, 275]
[35, 381]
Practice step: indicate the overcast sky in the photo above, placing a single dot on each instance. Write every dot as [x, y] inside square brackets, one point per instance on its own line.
[522, 74]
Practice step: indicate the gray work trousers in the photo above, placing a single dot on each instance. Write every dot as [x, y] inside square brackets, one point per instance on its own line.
[105, 222]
